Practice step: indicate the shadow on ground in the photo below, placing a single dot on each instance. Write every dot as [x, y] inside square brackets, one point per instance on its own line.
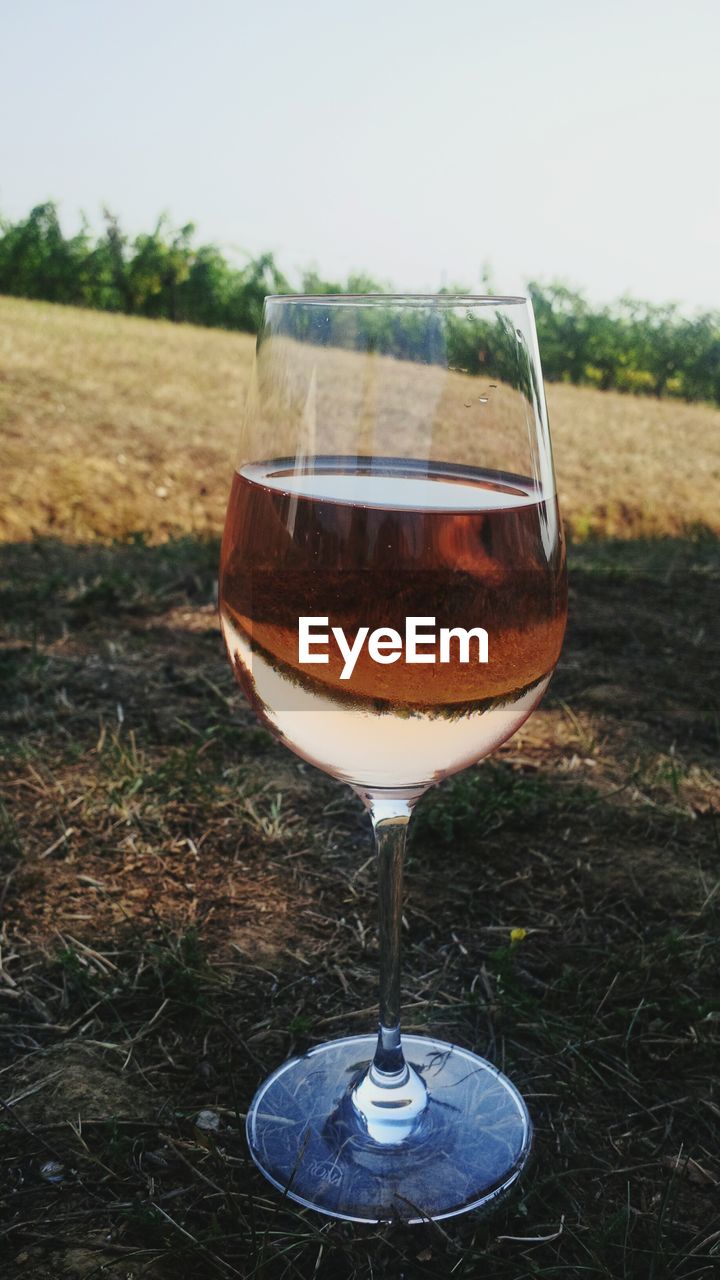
[186, 904]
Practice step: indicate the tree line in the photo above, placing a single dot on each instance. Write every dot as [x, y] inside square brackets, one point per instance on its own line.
[633, 346]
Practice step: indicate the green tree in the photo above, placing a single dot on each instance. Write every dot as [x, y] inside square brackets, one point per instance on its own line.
[632, 346]
[36, 261]
[563, 321]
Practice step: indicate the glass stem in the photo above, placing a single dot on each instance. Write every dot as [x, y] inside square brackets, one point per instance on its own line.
[390, 818]
[390, 1099]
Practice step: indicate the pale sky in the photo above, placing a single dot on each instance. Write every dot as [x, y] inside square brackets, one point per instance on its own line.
[416, 139]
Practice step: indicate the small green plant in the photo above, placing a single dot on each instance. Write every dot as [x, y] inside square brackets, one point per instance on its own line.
[300, 1025]
[179, 969]
[484, 798]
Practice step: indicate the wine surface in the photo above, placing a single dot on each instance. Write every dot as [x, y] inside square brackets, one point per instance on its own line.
[369, 543]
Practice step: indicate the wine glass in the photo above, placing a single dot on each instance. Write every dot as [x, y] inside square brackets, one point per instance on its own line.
[393, 602]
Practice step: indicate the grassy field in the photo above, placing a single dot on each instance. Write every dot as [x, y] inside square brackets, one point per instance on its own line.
[185, 903]
[113, 425]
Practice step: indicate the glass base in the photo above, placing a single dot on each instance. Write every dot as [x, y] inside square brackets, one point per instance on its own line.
[468, 1147]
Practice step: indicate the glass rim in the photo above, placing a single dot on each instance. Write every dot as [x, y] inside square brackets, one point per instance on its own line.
[411, 299]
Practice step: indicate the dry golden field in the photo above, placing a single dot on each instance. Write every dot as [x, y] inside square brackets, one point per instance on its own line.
[112, 424]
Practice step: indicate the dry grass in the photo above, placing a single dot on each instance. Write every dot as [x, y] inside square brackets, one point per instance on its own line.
[186, 903]
[113, 425]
